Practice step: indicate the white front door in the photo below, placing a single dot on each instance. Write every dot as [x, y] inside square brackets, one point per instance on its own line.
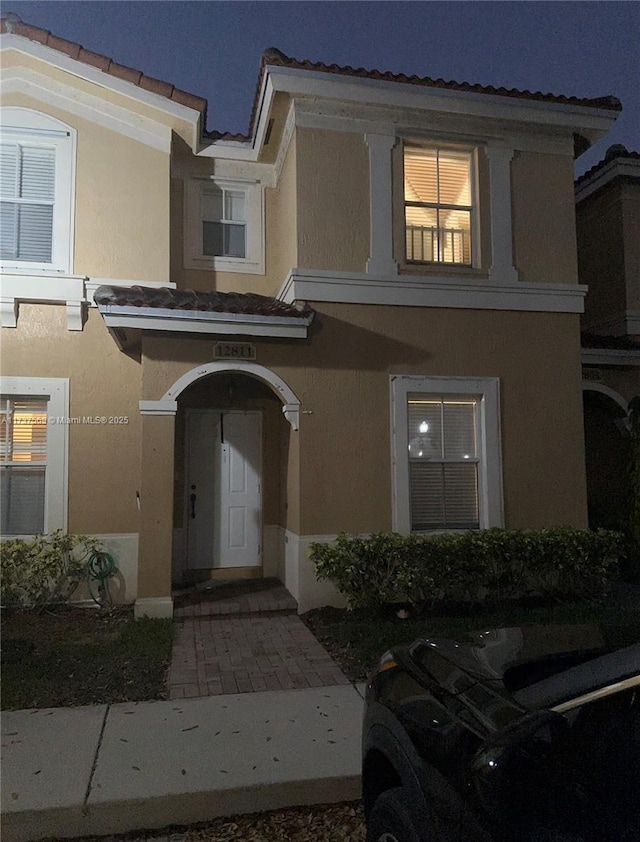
[224, 460]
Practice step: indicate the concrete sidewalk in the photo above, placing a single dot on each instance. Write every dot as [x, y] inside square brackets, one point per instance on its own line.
[102, 769]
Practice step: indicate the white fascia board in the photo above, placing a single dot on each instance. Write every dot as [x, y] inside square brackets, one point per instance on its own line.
[625, 167]
[610, 356]
[87, 106]
[77, 68]
[356, 89]
[422, 291]
[245, 150]
[148, 318]
[42, 287]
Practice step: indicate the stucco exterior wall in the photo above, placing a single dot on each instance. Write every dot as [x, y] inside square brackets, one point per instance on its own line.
[342, 450]
[121, 201]
[280, 227]
[104, 460]
[631, 235]
[601, 258]
[333, 200]
[544, 218]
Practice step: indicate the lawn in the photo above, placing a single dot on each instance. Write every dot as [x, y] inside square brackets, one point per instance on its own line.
[75, 656]
[356, 639]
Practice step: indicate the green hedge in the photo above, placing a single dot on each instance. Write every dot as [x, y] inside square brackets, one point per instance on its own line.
[493, 565]
[44, 570]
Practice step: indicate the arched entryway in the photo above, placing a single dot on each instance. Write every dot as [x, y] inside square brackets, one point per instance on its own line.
[608, 455]
[233, 426]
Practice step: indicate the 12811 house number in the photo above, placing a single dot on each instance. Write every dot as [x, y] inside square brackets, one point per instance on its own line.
[234, 351]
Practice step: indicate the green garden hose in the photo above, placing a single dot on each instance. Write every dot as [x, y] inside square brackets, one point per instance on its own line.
[100, 568]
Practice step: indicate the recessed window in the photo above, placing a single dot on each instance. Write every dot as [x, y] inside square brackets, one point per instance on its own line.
[443, 461]
[36, 191]
[33, 454]
[438, 199]
[447, 471]
[224, 225]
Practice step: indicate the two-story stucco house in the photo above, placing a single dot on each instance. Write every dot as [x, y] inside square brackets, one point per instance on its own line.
[608, 232]
[363, 316]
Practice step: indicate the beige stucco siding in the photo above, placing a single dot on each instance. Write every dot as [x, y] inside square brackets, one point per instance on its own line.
[281, 223]
[333, 200]
[121, 201]
[544, 218]
[601, 258]
[631, 235]
[341, 375]
[103, 458]
[280, 227]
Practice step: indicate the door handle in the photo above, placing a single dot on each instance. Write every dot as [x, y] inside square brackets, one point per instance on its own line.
[192, 499]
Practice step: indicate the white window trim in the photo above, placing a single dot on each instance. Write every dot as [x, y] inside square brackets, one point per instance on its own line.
[24, 124]
[490, 499]
[56, 390]
[253, 262]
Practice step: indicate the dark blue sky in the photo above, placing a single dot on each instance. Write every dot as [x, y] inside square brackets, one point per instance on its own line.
[213, 48]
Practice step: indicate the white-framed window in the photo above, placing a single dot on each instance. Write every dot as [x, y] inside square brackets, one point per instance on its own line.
[224, 225]
[439, 204]
[37, 164]
[33, 454]
[447, 472]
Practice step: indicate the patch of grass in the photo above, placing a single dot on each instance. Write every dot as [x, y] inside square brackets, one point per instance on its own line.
[78, 656]
[357, 639]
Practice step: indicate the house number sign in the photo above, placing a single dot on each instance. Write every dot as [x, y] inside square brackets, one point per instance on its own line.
[234, 351]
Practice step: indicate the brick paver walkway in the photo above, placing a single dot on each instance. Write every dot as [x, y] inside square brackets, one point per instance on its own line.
[262, 646]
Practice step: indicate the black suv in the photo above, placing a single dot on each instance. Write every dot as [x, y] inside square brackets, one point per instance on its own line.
[514, 734]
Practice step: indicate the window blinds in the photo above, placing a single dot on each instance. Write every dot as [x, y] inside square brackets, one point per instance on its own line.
[23, 451]
[27, 192]
[443, 462]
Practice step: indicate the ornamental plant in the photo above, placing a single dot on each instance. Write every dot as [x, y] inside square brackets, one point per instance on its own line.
[44, 570]
[487, 566]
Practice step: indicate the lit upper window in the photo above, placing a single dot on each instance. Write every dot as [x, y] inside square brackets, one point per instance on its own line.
[438, 205]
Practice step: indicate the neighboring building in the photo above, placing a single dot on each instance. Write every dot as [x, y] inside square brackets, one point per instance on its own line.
[386, 332]
[608, 230]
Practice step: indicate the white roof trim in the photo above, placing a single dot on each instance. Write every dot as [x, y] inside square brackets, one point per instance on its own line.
[396, 94]
[610, 356]
[612, 169]
[202, 321]
[429, 291]
[92, 74]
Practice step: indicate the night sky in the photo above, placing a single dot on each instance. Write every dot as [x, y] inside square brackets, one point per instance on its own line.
[213, 49]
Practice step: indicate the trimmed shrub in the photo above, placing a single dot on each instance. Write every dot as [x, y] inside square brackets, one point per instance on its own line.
[43, 571]
[489, 566]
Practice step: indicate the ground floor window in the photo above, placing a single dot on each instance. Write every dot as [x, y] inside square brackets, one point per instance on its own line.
[33, 454]
[446, 441]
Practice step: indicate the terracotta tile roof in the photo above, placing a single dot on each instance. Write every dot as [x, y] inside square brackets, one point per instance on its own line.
[617, 152]
[246, 304]
[275, 58]
[11, 23]
[611, 343]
